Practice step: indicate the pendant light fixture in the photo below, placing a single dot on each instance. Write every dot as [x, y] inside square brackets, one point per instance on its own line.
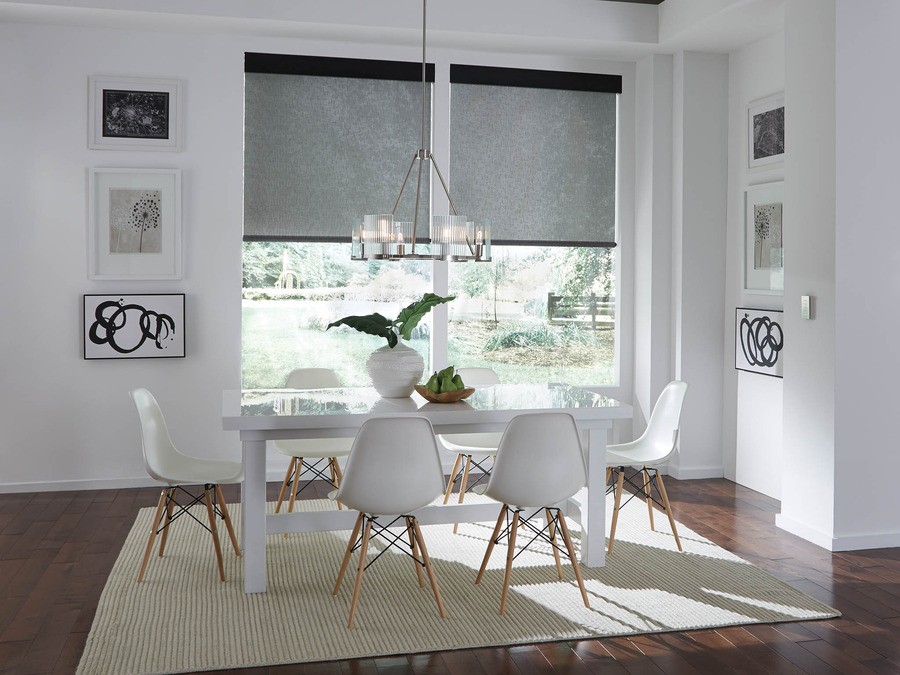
[452, 237]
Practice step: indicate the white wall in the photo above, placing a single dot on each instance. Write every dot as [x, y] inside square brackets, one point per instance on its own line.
[752, 417]
[652, 234]
[807, 499]
[63, 418]
[698, 247]
[867, 275]
[68, 423]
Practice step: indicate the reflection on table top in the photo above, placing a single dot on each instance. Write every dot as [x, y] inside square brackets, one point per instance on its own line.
[270, 408]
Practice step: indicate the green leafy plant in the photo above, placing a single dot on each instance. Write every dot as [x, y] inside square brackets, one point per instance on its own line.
[393, 329]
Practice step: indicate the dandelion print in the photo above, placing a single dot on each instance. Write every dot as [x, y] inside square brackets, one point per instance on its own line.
[135, 221]
[768, 249]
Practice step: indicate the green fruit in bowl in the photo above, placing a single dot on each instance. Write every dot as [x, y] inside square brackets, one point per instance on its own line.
[457, 380]
[434, 384]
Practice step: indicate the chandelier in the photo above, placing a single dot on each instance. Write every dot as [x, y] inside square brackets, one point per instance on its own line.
[452, 237]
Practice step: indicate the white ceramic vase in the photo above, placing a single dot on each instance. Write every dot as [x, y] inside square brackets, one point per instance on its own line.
[395, 372]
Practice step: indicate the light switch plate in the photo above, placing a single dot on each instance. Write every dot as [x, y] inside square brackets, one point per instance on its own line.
[805, 312]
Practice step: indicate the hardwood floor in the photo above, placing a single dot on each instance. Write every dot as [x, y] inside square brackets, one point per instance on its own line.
[57, 548]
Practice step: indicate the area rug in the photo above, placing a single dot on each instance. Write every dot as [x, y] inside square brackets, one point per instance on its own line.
[182, 618]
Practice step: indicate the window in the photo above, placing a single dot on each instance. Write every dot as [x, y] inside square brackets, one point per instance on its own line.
[532, 152]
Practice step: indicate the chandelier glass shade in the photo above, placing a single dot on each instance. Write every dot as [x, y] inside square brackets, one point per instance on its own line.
[452, 237]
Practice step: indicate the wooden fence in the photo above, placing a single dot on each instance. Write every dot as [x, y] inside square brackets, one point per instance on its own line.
[596, 311]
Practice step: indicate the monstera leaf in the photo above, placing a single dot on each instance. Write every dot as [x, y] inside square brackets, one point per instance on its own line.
[412, 314]
[373, 324]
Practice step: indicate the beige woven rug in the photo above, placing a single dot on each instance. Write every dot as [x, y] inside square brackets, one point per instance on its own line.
[181, 618]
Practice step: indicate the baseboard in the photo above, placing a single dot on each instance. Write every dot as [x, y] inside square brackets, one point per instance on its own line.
[855, 542]
[695, 472]
[276, 475]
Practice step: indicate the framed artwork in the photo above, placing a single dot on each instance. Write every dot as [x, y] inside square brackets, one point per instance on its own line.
[134, 224]
[763, 238]
[759, 341]
[134, 326]
[765, 126]
[130, 113]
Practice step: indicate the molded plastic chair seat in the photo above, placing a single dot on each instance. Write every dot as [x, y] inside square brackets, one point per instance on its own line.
[394, 469]
[470, 446]
[540, 464]
[166, 464]
[653, 448]
[316, 449]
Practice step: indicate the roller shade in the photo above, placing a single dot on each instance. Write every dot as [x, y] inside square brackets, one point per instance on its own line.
[326, 141]
[534, 152]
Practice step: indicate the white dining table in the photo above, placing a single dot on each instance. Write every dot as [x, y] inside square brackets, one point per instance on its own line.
[263, 415]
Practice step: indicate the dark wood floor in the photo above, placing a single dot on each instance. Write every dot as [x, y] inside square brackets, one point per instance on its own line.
[57, 548]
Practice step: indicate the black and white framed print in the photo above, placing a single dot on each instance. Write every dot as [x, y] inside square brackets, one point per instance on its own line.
[765, 125]
[134, 224]
[759, 341]
[134, 326]
[764, 239]
[130, 113]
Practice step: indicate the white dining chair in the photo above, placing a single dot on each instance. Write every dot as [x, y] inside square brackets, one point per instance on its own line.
[643, 456]
[313, 456]
[539, 464]
[167, 465]
[393, 469]
[473, 449]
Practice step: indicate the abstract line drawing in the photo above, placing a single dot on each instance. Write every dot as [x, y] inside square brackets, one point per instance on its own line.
[145, 326]
[768, 133]
[759, 341]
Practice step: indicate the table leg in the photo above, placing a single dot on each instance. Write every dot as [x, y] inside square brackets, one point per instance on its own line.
[593, 513]
[253, 516]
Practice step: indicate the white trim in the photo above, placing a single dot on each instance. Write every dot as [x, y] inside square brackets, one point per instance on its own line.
[696, 472]
[855, 542]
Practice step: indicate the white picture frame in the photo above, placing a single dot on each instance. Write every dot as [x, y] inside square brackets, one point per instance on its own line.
[764, 239]
[128, 326]
[131, 113]
[134, 224]
[759, 341]
[765, 129]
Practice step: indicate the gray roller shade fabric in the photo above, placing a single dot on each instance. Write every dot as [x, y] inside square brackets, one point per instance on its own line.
[319, 152]
[539, 164]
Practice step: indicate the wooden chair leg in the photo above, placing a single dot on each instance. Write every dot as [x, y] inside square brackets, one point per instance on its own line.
[648, 491]
[615, 518]
[575, 566]
[340, 478]
[490, 548]
[359, 572]
[214, 531]
[284, 484]
[335, 472]
[510, 553]
[153, 525]
[452, 476]
[346, 560]
[227, 518]
[608, 474]
[662, 491]
[552, 531]
[428, 570]
[410, 532]
[462, 487]
[298, 469]
[170, 506]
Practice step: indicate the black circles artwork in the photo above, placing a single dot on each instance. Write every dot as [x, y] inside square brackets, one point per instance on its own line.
[759, 338]
[138, 326]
